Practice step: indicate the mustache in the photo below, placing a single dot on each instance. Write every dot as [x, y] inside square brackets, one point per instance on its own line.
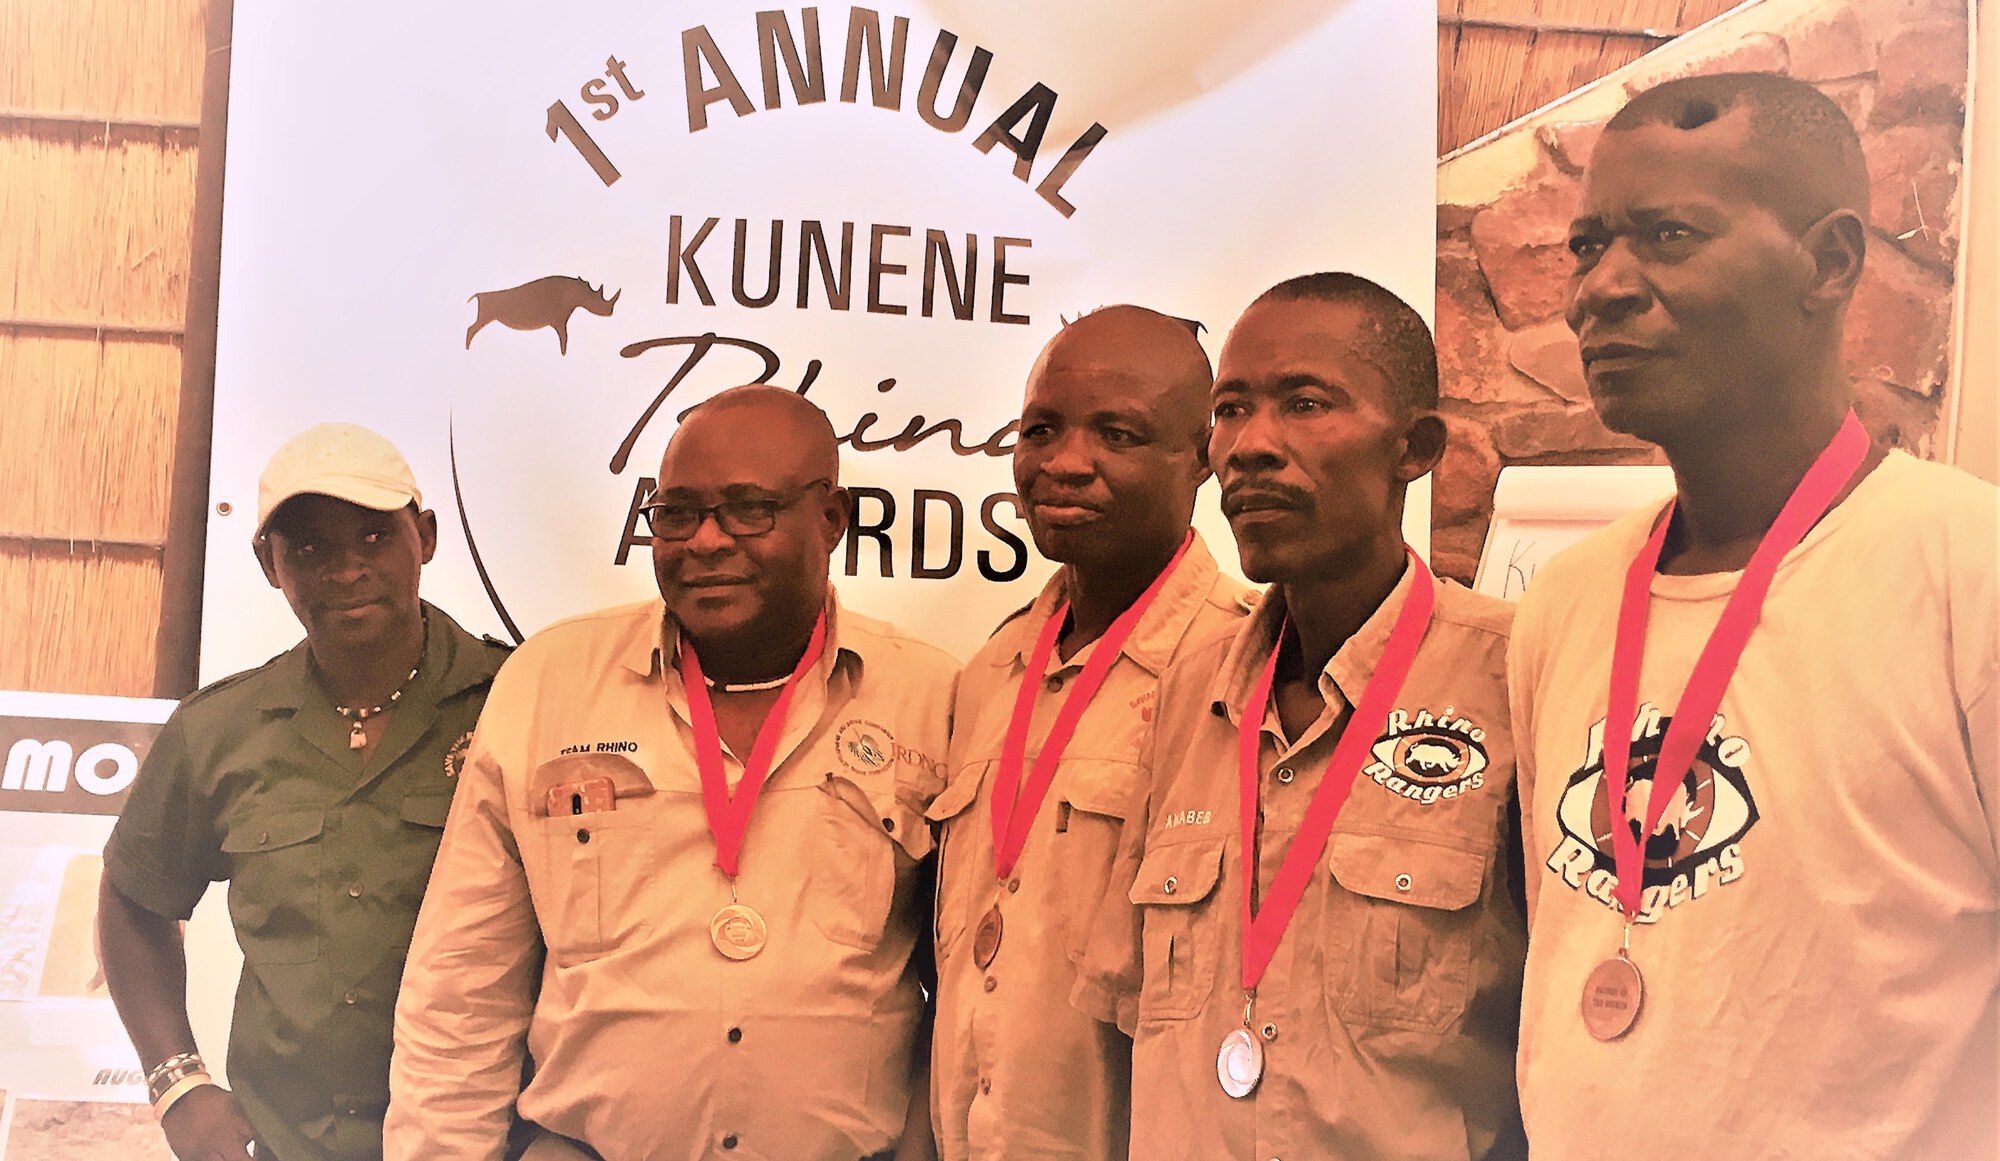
[1240, 497]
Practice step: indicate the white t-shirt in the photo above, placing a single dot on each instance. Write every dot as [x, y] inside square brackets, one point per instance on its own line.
[1820, 929]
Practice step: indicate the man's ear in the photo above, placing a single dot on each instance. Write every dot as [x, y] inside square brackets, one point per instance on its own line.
[839, 506]
[1203, 470]
[1423, 446]
[1838, 243]
[427, 533]
[261, 545]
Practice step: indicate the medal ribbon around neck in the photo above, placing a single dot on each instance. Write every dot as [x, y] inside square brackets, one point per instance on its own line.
[729, 815]
[1815, 493]
[1015, 807]
[1264, 926]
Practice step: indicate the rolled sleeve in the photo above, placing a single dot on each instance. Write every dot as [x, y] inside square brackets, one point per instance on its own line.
[468, 990]
[163, 853]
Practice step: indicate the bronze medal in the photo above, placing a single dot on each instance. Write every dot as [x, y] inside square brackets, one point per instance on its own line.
[986, 940]
[1611, 997]
[737, 931]
[1240, 1063]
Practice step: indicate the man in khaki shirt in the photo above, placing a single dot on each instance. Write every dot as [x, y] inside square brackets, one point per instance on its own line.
[1383, 1025]
[1112, 450]
[584, 911]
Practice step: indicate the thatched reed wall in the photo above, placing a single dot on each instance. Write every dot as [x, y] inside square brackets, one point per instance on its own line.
[1502, 59]
[98, 100]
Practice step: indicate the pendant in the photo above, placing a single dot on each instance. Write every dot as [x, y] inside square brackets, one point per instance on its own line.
[1612, 995]
[357, 737]
[1240, 1063]
[986, 940]
[738, 932]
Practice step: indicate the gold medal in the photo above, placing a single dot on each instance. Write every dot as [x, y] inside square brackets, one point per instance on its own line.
[738, 931]
[986, 940]
[1240, 1063]
[1612, 995]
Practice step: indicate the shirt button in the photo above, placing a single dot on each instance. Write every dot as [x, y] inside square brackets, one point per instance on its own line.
[1013, 885]
[263, 837]
[736, 1035]
[1269, 1031]
[1054, 684]
[582, 834]
[985, 1085]
[1170, 885]
[889, 824]
[1285, 775]
[353, 1110]
[354, 890]
[1403, 882]
[729, 1142]
[991, 983]
[351, 998]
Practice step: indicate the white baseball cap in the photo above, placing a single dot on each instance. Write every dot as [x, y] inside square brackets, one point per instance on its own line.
[341, 460]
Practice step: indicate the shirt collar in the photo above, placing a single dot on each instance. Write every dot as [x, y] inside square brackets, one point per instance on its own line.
[1160, 628]
[654, 638]
[1346, 674]
[445, 671]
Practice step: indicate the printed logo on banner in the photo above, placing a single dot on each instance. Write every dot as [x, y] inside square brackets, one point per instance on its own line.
[1697, 846]
[814, 264]
[890, 208]
[70, 766]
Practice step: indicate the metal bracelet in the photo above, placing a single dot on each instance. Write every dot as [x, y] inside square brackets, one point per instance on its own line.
[173, 1068]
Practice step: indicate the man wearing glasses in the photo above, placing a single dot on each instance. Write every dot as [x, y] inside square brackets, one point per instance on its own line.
[684, 872]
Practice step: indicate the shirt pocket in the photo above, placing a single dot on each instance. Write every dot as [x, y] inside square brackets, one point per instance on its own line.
[596, 868]
[1181, 933]
[868, 841]
[275, 862]
[949, 814]
[1407, 925]
[1090, 809]
[423, 818]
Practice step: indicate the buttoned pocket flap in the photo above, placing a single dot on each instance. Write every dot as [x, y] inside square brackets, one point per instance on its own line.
[958, 794]
[1099, 787]
[426, 809]
[271, 832]
[1405, 870]
[1178, 875]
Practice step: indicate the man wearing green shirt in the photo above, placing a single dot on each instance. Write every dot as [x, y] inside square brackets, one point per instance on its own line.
[317, 785]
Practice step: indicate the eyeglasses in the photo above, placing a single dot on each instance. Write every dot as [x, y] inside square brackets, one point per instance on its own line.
[669, 520]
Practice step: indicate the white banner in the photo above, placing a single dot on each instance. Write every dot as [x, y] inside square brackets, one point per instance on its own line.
[519, 240]
[70, 1082]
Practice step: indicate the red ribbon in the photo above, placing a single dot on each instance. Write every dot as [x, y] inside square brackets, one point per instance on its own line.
[1264, 926]
[1815, 493]
[1015, 807]
[729, 815]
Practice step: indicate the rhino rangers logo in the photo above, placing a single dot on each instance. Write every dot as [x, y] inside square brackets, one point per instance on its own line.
[864, 747]
[1427, 757]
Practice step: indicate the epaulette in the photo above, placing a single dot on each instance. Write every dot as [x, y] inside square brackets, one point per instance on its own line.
[222, 683]
[1010, 619]
[497, 643]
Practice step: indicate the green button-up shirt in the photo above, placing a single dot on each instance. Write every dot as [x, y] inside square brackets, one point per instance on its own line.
[326, 854]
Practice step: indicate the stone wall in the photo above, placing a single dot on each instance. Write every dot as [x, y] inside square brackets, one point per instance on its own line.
[1512, 382]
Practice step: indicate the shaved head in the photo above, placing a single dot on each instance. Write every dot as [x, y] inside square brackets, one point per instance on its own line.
[1156, 350]
[1114, 433]
[782, 422]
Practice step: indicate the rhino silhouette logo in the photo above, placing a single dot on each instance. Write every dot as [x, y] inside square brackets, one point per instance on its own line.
[545, 302]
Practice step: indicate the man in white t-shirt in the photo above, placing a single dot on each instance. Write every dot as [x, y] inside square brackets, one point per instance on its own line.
[1794, 954]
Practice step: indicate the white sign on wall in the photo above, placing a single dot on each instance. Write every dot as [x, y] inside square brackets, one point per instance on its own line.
[519, 241]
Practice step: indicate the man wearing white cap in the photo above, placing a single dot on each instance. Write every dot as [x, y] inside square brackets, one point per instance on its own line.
[317, 785]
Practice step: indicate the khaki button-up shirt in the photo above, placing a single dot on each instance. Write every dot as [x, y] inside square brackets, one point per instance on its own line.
[647, 1042]
[326, 853]
[1387, 1015]
[1016, 1072]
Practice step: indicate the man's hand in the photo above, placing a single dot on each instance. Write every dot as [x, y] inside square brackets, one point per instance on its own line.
[208, 1125]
